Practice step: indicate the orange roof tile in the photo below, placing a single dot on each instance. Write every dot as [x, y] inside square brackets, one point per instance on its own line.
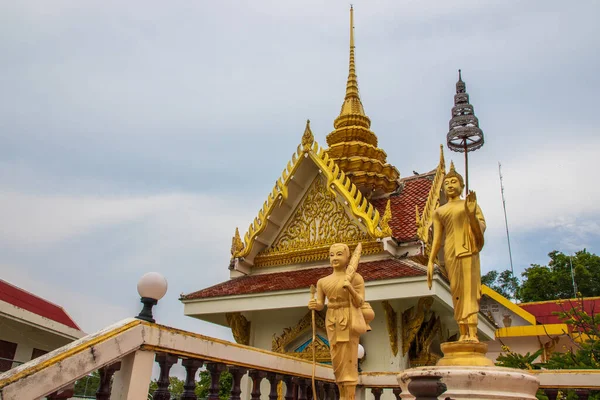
[303, 278]
[413, 192]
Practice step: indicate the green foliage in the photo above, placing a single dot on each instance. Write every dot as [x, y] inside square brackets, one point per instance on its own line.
[504, 283]
[585, 333]
[202, 386]
[88, 385]
[554, 281]
[509, 359]
[585, 329]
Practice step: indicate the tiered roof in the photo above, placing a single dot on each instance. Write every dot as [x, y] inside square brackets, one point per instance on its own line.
[353, 145]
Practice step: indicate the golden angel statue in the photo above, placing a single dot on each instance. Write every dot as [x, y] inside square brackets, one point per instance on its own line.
[348, 315]
[460, 225]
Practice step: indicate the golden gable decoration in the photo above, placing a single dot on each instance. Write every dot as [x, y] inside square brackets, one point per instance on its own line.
[336, 182]
[317, 223]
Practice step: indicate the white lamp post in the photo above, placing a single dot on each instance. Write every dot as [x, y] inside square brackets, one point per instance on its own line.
[151, 287]
[361, 355]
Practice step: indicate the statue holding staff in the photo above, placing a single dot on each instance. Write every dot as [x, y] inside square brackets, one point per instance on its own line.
[348, 315]
[460, 225]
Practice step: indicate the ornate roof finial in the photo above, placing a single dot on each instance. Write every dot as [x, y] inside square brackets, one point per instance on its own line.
[352, 103]
[307, 138]
[385, 220]
[236, 243]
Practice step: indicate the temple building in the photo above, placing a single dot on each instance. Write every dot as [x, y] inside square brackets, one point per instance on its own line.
[31, 326]
[349, 192]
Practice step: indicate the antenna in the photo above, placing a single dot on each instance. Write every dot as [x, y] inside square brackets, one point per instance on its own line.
[512, 271]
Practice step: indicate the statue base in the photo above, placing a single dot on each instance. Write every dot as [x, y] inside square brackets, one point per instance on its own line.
[472, 382]
[464, 354]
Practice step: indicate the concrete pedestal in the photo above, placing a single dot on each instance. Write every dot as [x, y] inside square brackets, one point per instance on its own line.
[476, 383]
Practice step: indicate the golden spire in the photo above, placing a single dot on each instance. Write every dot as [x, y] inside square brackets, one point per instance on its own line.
[352, 144]
[352, 103]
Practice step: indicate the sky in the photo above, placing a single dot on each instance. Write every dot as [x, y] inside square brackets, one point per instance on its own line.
[136, 136]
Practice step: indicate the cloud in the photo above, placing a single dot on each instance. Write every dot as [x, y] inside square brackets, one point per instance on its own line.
[137, 137]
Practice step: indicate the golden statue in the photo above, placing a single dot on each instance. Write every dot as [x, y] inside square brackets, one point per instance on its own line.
[348, 315]
[463, 225]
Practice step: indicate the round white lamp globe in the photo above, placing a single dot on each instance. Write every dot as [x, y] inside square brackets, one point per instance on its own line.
[152, 285]
[361, 351]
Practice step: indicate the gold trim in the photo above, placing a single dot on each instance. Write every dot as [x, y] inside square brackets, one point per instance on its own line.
[533, 330]
[424, 220]
[71, 352]
[309, 255]
[392, 325]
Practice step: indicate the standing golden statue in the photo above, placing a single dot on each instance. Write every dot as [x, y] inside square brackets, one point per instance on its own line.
[463, 225]
[348, 315]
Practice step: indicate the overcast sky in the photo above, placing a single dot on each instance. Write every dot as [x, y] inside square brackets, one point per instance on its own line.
[136, 136]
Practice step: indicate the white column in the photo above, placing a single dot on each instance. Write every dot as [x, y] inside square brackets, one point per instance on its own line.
[131, 382]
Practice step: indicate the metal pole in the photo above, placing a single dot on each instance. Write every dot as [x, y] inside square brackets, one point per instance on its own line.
[573, 276]
[466, 169]
[512, 271]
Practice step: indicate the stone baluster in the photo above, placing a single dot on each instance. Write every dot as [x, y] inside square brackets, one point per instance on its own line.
[426, 387]
[191, 366]
[165, 361]
[397, 392]
[290, 387]
[257, 377]
[106, 374]
[236, 378]
[320, 390]
[274, 380]
[215, 370]
[377, 392]
[303, 385]
[328, 391]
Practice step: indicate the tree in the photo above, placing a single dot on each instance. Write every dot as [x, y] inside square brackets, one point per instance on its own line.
[504, 283]
[202, 386]
[555, 281]
[584, 328]
[88, 385]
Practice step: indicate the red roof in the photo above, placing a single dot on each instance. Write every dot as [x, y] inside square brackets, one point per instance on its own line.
[30, 302]
[303, 278]
[413, 192]
[544, 310]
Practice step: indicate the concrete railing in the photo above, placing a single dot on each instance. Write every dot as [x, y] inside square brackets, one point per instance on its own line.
[129, 350]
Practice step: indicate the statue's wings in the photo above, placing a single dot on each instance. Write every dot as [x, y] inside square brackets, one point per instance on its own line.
[354, 260]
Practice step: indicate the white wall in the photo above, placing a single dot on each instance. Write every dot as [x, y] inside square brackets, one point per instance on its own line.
[28, 337]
